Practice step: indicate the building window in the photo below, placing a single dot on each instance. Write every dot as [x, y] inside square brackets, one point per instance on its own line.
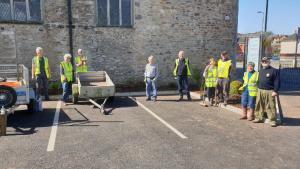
[20, 10]
[114, 13]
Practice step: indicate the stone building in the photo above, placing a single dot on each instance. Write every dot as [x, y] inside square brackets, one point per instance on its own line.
[118, 35]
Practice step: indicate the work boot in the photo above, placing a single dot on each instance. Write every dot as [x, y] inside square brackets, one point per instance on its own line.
[257, 121]
[251, 115]
[154, 99]
[189, 97]
[148, 99]
[180, 98]
[244, 117]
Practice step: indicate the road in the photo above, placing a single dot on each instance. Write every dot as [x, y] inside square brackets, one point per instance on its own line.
[143, 135]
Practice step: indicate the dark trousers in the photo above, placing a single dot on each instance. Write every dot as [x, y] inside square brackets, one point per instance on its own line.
[223, 89]
[183, 85]
[41, 86]
[66, 90]
[211, 92]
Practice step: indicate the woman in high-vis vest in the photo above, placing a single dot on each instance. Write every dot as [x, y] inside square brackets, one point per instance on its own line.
[210, 75]
[41, 73]
[249, 89]
[66, 77]
[81, 62]
[223, 82]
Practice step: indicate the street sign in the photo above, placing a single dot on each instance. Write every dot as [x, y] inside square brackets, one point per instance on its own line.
[253, 51]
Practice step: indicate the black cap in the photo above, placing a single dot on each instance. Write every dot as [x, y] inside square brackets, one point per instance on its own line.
[265, 59]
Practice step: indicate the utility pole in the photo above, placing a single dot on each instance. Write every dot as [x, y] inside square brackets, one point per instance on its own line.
[266, 15]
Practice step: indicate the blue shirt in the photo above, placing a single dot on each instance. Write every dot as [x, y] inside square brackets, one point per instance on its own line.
[249, 76]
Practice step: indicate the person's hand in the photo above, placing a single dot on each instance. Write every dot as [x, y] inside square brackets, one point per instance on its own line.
[175, 78]
[32, 77]
[274, 94]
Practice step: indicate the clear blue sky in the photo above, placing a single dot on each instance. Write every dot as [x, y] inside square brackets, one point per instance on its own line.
[283, 18]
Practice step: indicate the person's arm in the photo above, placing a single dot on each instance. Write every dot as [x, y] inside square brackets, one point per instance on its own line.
[32, 69]
[276, 80]
[62, 72]
[205, 71]
[156, 73]
[49, 70]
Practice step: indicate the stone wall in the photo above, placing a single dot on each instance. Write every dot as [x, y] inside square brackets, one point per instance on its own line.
[161, 28]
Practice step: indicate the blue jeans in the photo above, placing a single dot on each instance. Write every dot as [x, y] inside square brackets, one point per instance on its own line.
[151, 88]
[183, 85]
[248, 100]
[66, 90]
[41, 86]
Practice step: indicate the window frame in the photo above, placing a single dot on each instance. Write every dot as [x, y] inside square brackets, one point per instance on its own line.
[120, 15]
[12, 13]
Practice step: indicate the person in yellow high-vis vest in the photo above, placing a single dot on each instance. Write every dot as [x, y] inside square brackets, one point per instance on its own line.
[66, 76]
[182, 72]
[223, 81]
[210, 75]
[41, 73]
[81, 62]
[249, 88]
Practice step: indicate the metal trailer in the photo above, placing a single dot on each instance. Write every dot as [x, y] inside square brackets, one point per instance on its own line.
[14, 91]
[93, 86]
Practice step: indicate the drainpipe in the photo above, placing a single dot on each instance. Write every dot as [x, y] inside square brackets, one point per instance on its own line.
[70, 26]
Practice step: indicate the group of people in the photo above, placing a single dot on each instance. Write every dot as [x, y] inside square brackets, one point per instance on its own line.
[41, 72]
[259, 89]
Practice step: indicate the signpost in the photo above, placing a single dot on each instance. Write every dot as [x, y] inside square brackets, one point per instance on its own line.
[254, 51]
[297, 41]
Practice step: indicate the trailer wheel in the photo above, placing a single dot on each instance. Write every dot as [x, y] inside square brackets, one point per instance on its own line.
[30, 106]
[8, 96]
[75, 99]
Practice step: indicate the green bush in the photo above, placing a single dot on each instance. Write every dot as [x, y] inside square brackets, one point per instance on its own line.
[196, 75]
[234, 87]
[54, 85]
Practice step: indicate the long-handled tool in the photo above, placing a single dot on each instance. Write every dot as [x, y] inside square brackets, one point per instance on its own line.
[202, 95]
[279, 115]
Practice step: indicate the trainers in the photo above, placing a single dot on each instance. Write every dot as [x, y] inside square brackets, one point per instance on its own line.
[154, 99]
[273, 124]
[257, 121]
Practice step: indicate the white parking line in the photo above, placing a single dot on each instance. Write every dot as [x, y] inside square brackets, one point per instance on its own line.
[160, 119]
[52, 138]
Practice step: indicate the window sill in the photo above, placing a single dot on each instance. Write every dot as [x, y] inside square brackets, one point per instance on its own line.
[21, 22]
[121, 27]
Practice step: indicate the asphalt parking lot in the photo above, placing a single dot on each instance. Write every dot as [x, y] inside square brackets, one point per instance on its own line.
[139, 134]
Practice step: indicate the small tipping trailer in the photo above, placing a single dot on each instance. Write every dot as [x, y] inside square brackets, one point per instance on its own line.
[93, 86]
[14, 91]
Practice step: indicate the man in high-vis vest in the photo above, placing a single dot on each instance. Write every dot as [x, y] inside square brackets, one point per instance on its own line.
[66, 77]
[210, 74]
[182, 72]
[81, 62]
[223, 81]
[40, 72]
[249, 94]
[268, 87]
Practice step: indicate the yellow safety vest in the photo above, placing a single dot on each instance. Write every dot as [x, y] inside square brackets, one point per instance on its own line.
[223, 68]
[211, 77]
[82, 68]
[186, 64]
[251, 83]
[36, 61]
[68, 71]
